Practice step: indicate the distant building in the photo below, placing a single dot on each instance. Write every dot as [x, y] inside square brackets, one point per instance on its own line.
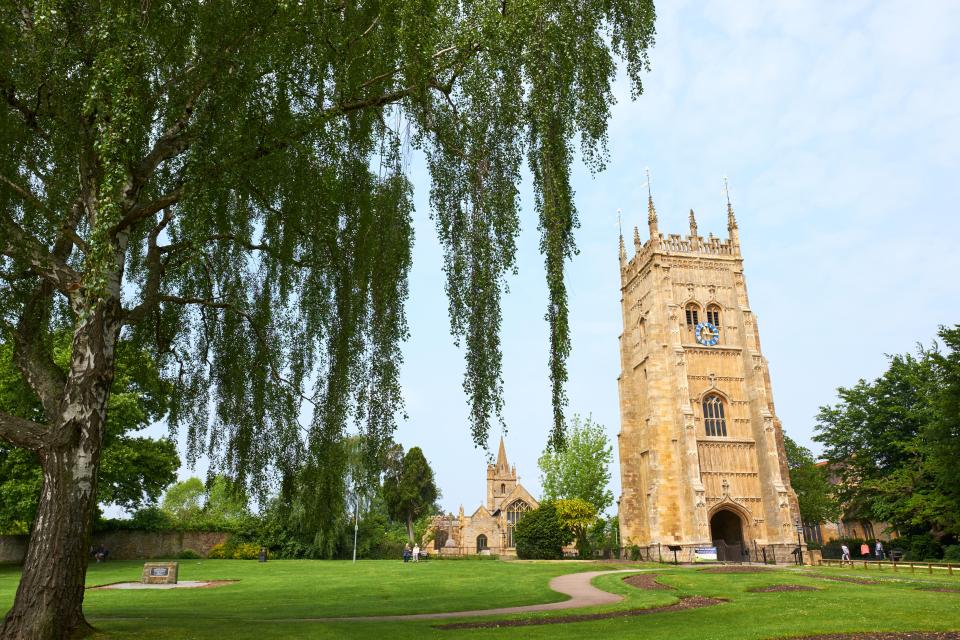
[489, 530]
[824, 532]
[702, 461]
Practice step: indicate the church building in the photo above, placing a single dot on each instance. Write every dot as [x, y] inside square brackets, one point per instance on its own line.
[489, 529]
[702, 460]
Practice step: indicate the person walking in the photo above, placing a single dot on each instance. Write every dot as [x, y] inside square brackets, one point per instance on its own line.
[865, 550]
[416, 553]
[879, 550]
[407, 553]
[845, 557]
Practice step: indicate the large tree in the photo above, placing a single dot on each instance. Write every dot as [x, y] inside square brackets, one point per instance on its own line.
[581, 468]
[811, 483]
[409, 489]
[893, 441]
[224, 183]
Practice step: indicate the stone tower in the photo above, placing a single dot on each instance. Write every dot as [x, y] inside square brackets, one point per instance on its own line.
[702, 461]
[501, 480]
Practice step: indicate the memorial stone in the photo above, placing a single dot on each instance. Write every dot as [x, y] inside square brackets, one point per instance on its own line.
[160, 573]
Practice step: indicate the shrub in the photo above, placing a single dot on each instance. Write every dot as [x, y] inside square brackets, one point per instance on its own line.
[540, 535]
[246, 551]
[952, 553]
[920, 546]
[150, 519]
[188, 554]
[220, 551]
[634, 553]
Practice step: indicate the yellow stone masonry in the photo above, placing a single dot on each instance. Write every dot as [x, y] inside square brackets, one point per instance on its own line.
[702, 461]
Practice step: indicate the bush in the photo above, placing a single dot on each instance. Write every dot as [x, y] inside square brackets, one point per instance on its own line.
[188, 554]
[634, 553]
[920, 546]
[246, 551]
[952, 553]
[539, 534]
[151, 519]
[220, 551]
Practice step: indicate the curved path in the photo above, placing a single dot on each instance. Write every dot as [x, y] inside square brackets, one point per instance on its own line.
[575, 585]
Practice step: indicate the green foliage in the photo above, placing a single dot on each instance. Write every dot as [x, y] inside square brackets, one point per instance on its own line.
[920, 546]
[266, 253]
[810, 482]
[151, 519]
[578, 516]
[540, 535]
[581, 468]
[409, 490]
[221, 551]
[188, 554]
[184, 500]
[189, 505]
[634, 553]
[134, 470]
[604, 537]
[894, 442]
[951, 553]
[246, 551]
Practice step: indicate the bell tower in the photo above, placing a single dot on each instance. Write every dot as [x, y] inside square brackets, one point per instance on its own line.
[501, 480]
[702, 461]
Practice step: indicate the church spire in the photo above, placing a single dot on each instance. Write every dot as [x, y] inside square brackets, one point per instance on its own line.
[651, 211]
[502, 464]
[693, 224]
[731, 219]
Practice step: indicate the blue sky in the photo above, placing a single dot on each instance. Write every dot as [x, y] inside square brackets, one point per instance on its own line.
[838, 124]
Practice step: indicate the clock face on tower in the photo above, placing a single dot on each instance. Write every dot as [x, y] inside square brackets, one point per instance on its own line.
[707, 334]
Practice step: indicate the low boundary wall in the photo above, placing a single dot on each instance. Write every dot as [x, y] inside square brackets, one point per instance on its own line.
[130, 545]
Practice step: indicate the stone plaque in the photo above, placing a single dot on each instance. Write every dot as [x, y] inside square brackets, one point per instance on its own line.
[160, 573]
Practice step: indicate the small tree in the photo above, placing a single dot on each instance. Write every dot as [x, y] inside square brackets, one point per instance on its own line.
[184, 500]
[540, 535]
[578, 516]
[409, 489]
[581, 469]
[817, 502]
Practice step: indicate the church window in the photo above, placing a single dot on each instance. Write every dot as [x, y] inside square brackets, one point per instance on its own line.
[440, 539]
[503, 488]
[713, 315]
[481, 542]
[514, 512]
[714, 419]
[693, 315]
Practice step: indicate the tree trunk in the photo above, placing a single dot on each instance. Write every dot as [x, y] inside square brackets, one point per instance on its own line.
[410, 528]
[50, 596]
[49, 601]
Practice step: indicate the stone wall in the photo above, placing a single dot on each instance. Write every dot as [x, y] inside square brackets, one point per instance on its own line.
[13, 548]
[130, 545]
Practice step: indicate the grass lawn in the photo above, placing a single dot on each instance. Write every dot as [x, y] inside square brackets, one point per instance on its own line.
[269, 599]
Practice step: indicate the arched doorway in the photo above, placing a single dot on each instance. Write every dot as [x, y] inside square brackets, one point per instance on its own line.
[726, 531]
[481, 542]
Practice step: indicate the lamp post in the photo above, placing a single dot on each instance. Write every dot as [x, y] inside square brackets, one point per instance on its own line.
[799, 542]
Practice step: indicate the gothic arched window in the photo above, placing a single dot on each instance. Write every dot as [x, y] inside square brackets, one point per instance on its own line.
[714, 418]
[693, 315]
[481, 542]
[503, 488]
[713, 315]
[514, 512]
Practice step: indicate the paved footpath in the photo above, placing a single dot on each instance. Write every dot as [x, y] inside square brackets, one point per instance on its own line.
[575, 585]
